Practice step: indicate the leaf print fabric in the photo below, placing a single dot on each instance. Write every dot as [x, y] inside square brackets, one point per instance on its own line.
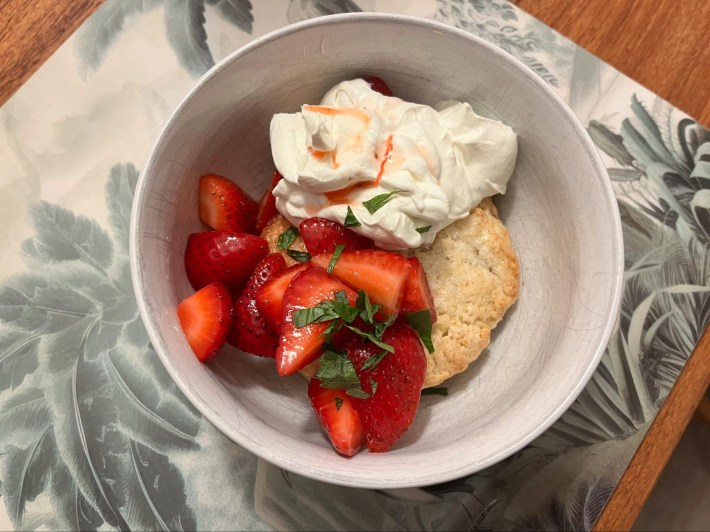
[95, 434]
[86, 407]
[184, 26]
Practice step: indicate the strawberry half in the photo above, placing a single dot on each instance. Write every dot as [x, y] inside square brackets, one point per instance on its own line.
[382, 274]
[269, 298]
[224, 206]
[299, 346]
[267, 206]
[417, 294]
[338, 418]
[219, 256]
[378, 85]
[321, 236]
[394, 384]
[205, 318]
[250, 332]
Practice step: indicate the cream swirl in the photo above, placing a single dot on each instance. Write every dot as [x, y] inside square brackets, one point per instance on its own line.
[438, 163]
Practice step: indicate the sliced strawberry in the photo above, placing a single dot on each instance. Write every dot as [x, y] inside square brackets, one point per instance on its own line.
[321, 236]
[250, 332]
[219, 256]
[205, 318]
[417, 294]
[267, 206]
[378, 85]
[299, 347]
[269, 298]
[394, 384]
[382, 274]
[224, 206]
[338, 418]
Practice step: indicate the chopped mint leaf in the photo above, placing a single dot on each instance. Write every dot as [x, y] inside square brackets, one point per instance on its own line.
[341, 297]
[332, 328]
[287, 237]
[343, 309]
[435, 391]
[375, 204]
[300, 256]
[367, 309]
[350, 220]
[374, 360]
[340, 312]
[423, 229]
[336, 371]
[336, 255]
[421, 322]
[358, 393]
[381, 327]
[338, 403]
[323, 311]
[372, 338]
[326, 311]
[373, 386]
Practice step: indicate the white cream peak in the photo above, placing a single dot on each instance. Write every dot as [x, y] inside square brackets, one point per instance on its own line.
[358, 144]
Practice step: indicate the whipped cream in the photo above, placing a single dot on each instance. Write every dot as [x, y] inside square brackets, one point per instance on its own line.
[358, 144]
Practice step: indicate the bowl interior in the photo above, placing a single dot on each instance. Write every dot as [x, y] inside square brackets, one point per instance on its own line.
[559, 210]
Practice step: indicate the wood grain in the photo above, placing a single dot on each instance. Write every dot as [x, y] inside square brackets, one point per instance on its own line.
[703, 410]
[646, 466]
[30, 31]
[662, 44]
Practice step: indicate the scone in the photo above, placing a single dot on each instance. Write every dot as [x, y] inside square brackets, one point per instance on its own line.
[473, 274]
[271, 233]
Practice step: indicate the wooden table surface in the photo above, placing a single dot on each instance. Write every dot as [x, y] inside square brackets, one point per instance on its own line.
[662, 44]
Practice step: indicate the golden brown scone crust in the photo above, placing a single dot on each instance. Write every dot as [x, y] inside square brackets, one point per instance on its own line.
[473, 274]
[274, 227]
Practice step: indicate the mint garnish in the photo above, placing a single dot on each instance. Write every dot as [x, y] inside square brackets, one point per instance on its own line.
[336, 255]
[367, 309]
[326, 311]
[420, 321]
[374, 360]
[337, 371]
[287, 237]
[375, 204]
[300, 256]
[350, 220]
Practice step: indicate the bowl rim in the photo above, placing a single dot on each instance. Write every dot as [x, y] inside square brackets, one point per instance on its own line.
[411, 481]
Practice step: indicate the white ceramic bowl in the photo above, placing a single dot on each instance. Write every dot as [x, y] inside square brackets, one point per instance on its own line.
[560, 210]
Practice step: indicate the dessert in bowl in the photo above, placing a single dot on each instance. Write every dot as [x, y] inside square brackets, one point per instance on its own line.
[558, 208]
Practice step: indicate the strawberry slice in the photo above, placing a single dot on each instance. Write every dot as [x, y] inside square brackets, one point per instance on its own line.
[205, 318]
[417, 294]
[250, 332]
[267, 206]
[394, 384]
[269, 298]
[299, 347]
[378, 85]
[224, 206]
[219, 256]
[321, 236]
[382, 274]
[338, 418]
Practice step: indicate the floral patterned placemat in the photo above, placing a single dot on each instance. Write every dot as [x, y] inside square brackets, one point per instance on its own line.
[93, 432]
